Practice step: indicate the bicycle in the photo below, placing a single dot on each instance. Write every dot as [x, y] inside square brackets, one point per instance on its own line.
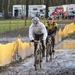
[49, 49]
[37, 54]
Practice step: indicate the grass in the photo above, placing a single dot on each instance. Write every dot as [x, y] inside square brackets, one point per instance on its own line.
[11, 24]
[7, 25]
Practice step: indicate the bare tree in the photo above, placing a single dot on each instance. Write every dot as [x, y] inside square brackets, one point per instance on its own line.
[42, 2]
[27, 8]
[47, 5]
[2, 5]
[5, 8]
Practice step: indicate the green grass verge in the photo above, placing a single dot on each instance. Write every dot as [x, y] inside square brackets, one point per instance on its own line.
[11, 24]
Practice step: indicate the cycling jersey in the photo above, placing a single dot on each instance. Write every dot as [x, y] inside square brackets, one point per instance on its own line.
[51, 26]
[40, 29]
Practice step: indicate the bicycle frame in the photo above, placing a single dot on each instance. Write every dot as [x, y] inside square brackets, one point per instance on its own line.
[49, 48]
[38, 54]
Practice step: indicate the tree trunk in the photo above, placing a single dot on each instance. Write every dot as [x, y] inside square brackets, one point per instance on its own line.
[27, 8]
[3, 6]
[6, 9]
[0, 5]
[47, 5]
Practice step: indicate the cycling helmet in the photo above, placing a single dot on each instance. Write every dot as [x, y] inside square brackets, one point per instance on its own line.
[35, 20]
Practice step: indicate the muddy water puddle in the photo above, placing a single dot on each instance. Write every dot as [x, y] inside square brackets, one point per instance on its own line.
[11, 39]
[66, 44]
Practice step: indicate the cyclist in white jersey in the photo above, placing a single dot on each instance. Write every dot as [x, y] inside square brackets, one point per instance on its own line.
[37, 30]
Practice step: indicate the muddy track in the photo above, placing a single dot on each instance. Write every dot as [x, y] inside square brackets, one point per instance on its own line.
[58, 66]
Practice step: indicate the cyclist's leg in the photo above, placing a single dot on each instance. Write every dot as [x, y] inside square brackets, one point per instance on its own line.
[47, 37]
[46, 41]
[43, 51]
[53, 42]
[39, 37]
[43, 44]
[35, 47]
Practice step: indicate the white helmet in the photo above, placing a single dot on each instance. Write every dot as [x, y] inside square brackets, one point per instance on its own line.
[35, 20]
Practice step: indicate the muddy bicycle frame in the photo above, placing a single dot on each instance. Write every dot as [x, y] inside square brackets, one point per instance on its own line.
[37, 54]
[49, 49]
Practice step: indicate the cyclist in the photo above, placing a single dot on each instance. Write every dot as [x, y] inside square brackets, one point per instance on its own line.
[51, 27]
[37, 30]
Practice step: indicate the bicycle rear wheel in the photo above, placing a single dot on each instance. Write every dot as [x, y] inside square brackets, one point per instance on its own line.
[52, 46]
[48, 52]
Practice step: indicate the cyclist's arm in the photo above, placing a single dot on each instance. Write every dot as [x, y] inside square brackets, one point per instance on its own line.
[31, 33]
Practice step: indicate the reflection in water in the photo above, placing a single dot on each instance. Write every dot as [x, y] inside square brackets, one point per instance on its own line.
[62, 33]
[67, 45]
[58, 52]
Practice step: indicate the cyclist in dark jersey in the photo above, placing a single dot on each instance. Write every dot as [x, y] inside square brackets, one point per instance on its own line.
[51, 27]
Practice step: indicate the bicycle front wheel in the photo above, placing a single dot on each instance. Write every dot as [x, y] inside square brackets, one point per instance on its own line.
[35, 60]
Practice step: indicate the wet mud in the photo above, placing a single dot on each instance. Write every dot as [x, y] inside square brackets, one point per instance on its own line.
[63, 62]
